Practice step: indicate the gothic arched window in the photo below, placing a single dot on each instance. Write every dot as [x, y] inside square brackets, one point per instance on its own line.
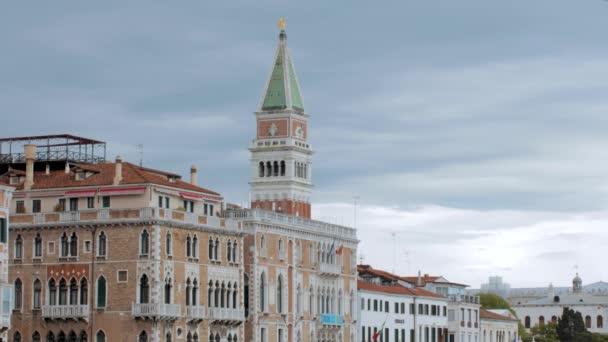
[64, 245]
[144, 243]
[83, 292]
[168, 243]
[100, 337]
[73, 292]
[38, 246]
[18, 294]
[234, 246]
[144, 289]
[223, 295]
[188, 289]
[74, 245]
[280, 293]
[194, 292]
[63, 292]
[261, 169]
[18, 247]
[101, 293]
[262, 292]
[101, 244]
[37, 303]
[143, 337]
[234, 296]
[210, 248]
[168, 287]
[210, 293]
[188, 246]
[195, 247]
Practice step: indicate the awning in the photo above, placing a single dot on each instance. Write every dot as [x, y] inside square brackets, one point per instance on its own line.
[190, 196]
[198, 197]
[122, 191]
[81, 193]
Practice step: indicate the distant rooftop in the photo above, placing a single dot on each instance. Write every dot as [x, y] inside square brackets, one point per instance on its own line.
[52, 149]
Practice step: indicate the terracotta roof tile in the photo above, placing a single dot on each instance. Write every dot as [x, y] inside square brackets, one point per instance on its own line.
[423, 279]
[485, 314]
[396, 289]
[367, 269]
[104, 176]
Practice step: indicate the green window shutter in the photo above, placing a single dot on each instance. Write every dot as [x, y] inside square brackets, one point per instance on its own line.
[101, 292]
[3, 230]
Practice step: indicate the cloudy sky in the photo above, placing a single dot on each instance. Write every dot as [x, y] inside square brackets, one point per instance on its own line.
[473, 130]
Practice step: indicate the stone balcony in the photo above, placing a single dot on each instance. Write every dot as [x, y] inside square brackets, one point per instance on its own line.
[149, 214]
[65, 312]
[156, 311]
[319, 227]
[226, 316]
[195, 313]
[464, 299]
[5, 322]
[330, 269]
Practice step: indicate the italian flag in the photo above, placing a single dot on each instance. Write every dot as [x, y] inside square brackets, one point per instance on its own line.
[378, 334]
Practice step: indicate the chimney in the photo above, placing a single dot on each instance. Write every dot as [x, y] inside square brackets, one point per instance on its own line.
[67, 167]
[118, 171]
[193, 175]
[30, 157]
[47, 169]
[419, 282]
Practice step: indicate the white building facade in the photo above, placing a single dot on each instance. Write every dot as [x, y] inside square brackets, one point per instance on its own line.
[463, 309]
[408, 314]
[594, 309]
[497, 328]
[5, 286]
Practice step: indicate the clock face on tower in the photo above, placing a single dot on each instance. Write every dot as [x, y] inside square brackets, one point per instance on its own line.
[299, 132]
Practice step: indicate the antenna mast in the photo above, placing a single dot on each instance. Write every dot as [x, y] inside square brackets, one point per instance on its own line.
[140, 153]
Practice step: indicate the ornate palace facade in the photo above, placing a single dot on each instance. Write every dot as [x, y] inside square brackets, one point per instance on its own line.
[117, 252]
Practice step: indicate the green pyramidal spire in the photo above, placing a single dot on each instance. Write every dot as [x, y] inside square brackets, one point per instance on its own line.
[283, 90]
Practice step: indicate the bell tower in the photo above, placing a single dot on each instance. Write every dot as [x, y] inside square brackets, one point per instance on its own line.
[281, 158]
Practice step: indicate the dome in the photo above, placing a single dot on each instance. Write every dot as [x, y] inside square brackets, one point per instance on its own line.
[577, 284]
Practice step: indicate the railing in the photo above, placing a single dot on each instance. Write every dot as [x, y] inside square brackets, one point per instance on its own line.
[226, 314]
[69, 216]
[311, 225]
[195, 312]
[171, 311]
[332, 319]
[464, 299]
[333, 269]
[5, 321]
[129, 215]
[65, 311]
[278, 142]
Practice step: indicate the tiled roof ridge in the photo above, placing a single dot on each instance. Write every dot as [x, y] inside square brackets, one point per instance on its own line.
[484, 313]
[397, 289]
